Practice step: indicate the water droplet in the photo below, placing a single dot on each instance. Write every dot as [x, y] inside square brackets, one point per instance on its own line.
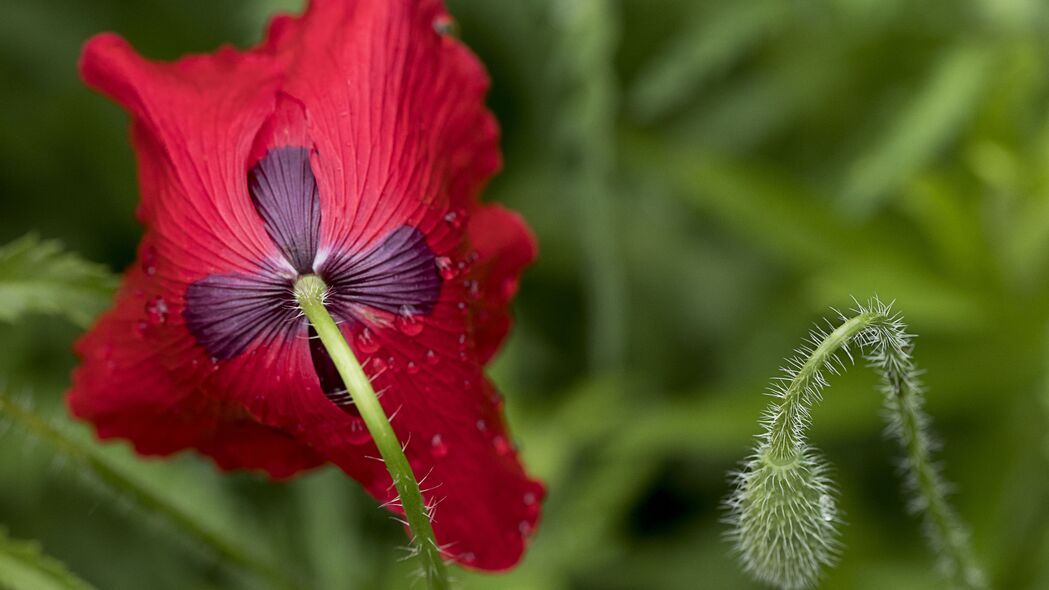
[412, 368]
[391, 363]
[482, 425]
[358, 431]
[509, 287]
[366, 342]
[157, 310]
[463, 309]
[141, 328]
[501, 446]
[473, 289]
[445, 26]
[149, 261]
[432, 358]
[462, 340]
[408, 323]
[455, 219]
[530, 498]
[446, 267]
[468, 557]
[438, 448]
[827, 510]
[378, 365]
[524, 527]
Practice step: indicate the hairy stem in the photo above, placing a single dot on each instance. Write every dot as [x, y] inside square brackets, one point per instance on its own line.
[310, 292]
[782, 510]
[787, 430]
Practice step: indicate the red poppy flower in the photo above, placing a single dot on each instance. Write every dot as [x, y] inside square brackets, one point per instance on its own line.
[353, 143]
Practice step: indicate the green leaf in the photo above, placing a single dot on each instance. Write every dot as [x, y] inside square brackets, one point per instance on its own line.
[177, 502]
[933, 118]
[710, 45]
[38, 276]
[24, 567]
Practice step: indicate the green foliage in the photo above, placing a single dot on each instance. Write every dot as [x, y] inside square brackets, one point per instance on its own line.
[39, 277]
[180, 506]
[733, 169]
[24, 567]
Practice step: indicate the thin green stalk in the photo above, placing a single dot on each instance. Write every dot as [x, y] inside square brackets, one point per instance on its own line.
[310, 292]
[783, 511]
[112, 476]
[784, 440]
[587, 148]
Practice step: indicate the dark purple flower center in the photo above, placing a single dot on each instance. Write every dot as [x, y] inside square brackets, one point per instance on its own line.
[228, 312]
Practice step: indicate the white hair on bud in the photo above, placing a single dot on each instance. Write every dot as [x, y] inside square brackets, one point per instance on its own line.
[783, 511]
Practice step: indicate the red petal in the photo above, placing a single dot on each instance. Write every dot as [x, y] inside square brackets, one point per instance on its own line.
[125, 389]
[194, 122]
[445, 412]
[504, 246]
[395, 112]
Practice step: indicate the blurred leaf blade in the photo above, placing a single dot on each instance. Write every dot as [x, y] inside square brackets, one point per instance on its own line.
[921, 129]
[156, 500]
[38, 276]
[709, 45]
[23, 566]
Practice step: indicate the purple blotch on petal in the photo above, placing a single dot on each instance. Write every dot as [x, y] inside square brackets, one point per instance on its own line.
[284, 192]
[397, 275]
[226, 313]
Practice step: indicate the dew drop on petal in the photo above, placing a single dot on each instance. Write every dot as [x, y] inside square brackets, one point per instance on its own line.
[446, 267]
[509, 287]
[412, 368]
[358, 431]
[432, 358]
[524, 527]
[482, 425]
[473, 289]
[157, 310]
[444, 25]
[502, 447]
[438, 448]
[149, 261]
[378, 365]
[468, 557]
[455, 219]
[141, 328]
[408, 323]
[366, 342]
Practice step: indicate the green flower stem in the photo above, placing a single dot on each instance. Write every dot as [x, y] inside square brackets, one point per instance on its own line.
[783, 510]
[310, 292]
[785, 439]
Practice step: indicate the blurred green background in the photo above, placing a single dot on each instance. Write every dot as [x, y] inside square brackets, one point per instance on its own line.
[706, 180]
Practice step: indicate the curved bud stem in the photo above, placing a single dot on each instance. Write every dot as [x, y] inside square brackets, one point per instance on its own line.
[782, 510]
[310, 292]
